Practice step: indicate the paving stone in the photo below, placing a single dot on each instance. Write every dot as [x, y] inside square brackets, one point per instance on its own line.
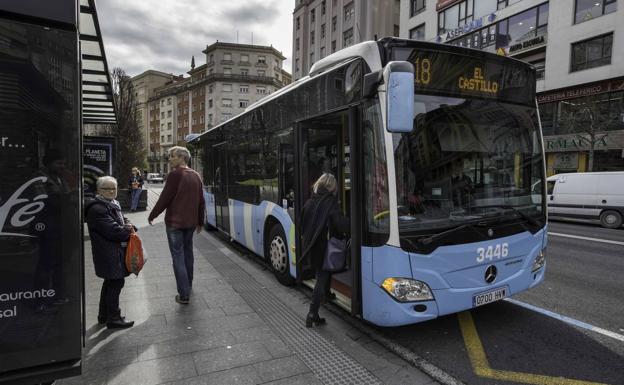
[227, 358]
[280, 368]
[246, 375]
[184, 345]
[153, 371]
[304, 379]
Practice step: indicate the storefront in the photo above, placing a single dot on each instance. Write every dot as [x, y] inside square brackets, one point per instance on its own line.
[42, 109]
[575, 119]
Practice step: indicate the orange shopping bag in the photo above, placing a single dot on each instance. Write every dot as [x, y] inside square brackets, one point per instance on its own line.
[135, 255]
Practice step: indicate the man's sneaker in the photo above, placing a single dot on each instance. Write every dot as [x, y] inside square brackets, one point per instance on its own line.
[183, 301]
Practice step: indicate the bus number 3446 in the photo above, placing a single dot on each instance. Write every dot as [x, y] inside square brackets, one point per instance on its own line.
[500, 250]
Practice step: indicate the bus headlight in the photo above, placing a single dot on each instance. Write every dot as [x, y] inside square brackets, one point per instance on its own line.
[539, 261]
[407, 290]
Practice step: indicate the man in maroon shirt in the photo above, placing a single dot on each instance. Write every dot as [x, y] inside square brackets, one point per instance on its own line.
[183, 198]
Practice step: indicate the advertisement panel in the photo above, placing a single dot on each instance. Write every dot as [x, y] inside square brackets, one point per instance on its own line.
[97, 161]
[41, 270]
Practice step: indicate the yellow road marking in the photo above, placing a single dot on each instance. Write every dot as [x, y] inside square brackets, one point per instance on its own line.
[481, 366]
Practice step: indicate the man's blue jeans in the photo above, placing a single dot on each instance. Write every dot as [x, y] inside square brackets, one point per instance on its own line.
[181, 247]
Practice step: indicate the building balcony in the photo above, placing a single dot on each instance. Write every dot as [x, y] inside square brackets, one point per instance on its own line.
[244, 79]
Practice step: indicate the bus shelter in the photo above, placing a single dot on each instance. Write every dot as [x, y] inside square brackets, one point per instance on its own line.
[53, 78]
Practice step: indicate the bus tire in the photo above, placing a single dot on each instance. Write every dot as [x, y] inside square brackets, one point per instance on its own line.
[277, 253]
[611, 219]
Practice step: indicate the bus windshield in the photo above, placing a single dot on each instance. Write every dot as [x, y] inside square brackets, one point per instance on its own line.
[468, 161]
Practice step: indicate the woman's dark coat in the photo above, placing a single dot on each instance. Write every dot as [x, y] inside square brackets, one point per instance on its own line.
[320, 214]
[107, 232]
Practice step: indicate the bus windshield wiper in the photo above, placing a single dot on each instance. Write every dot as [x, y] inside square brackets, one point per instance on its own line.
[524, 216]
[426, 241]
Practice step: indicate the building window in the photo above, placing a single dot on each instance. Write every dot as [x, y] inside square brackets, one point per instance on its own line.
[169, 101]
[323, 7]
[590, 9]
[322, 52]
[209, 103]
[162, 115]
[334, 22]
[244, 58]
[211, 71]
[348, 11]
[397, 30]
[168, 138]
[416, 7]
[162, 138]
[226, 102]
[169, 126]
[201, 119]
[210, 89]
[463, 13]
[298, 23]
[311, 58]
[243, 103]
[347, 37]
[506, 3]
[243, 89]
[261, 72]
[194, 108]
[201, 105]
[261, 90]
[227, 88]
[162, 102]
[227, 71]
[209, 118]
[244, 71]
[312, 16]
[225, 117]
[417, 33]
[296, 65]
[194, 121]
[591, 53]
[540, 68]
[333, 46]
[297, 44]
[312, 37]
[262, 59]
[211, 58]
[185, 123]
[227, 56]
[322, 31]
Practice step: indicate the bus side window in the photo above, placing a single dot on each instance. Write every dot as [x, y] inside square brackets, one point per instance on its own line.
[550, 186]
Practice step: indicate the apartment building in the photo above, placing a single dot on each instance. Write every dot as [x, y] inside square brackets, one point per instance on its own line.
[322, 27]
[144, 86]
[233, 77]
[576, 47]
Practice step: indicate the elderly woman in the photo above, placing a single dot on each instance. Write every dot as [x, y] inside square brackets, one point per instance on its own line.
[320, 214]
[109, 232]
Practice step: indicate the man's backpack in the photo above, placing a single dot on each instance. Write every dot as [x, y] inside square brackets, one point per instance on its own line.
[135, 255]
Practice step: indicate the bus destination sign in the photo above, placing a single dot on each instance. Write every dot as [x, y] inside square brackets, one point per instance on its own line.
[477, 76]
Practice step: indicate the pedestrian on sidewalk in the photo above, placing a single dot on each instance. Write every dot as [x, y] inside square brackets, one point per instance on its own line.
[320, 216]
[109, 231]
[135, 185]
[183, 198]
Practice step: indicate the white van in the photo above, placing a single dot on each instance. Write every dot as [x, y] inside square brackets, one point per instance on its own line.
[587, 195]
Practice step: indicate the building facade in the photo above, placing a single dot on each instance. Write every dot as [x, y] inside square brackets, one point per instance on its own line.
[322, 27]
[576, 47]
[144, 86]
[234, 76]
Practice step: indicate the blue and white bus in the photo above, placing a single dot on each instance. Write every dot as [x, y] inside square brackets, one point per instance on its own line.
[437, 150]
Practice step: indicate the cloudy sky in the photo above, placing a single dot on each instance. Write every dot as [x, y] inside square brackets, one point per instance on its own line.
[164, 34]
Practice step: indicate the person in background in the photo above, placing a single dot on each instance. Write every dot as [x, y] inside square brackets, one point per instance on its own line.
[135, 184]
[320, 215]
[183, 198]
[109, 232]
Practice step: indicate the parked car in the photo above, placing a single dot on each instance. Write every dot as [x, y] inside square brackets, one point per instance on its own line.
[154, 178]
[587, 195]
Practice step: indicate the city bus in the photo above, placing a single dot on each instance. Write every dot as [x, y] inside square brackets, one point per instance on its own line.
[435, 149]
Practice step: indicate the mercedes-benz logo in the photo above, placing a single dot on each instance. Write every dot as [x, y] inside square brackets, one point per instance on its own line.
[490, 274]
[490, 233]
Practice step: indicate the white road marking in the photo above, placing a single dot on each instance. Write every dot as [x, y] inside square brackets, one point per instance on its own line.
[587, 238]
[567, 320]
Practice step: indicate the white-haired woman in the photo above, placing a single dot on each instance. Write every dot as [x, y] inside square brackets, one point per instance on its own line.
[108, 230]
[320, 215]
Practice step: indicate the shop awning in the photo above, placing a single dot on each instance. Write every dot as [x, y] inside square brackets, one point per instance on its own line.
[98, 105]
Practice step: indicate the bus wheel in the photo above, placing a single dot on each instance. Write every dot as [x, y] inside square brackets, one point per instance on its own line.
[277, 248]
[611, 219]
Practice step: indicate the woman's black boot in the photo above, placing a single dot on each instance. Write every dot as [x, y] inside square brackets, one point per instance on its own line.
[314, 319]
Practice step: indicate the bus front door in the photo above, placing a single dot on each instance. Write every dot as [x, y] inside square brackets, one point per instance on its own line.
[220, 180]
[323, 147]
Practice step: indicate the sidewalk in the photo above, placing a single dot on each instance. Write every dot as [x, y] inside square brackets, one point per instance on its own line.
[242, 327]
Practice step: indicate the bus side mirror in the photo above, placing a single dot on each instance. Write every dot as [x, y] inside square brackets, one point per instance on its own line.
[399, 80]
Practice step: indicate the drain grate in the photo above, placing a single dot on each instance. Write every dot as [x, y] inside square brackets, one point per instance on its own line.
[328, 362]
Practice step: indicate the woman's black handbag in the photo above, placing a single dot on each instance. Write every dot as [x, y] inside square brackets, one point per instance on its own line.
[335, 259]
